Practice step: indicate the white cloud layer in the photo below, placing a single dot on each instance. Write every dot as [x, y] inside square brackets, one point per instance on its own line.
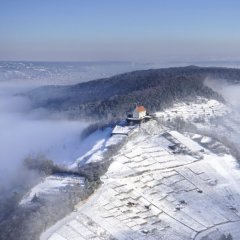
[24, 133]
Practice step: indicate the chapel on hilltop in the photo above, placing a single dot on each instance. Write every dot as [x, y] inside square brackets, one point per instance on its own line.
[139, 112]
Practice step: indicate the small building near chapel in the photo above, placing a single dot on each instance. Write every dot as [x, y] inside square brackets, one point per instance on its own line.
[121, 130]
[139, 112]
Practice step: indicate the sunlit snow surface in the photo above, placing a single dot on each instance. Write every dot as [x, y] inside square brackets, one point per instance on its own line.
[95, 145]
[51, 185]
[162, 184]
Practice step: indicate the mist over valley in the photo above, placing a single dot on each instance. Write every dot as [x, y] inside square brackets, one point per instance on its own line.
[57, 131]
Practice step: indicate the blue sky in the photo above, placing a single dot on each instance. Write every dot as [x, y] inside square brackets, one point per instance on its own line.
[136, 30]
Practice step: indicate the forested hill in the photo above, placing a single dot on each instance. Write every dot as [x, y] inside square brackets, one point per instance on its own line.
[113, 97]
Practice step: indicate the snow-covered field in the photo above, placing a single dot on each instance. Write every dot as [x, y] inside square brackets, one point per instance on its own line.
[202, 108]
[162, 184]
[95, 145]
[52, 185]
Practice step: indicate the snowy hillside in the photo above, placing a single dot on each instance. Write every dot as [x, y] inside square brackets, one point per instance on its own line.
[52, 185]
[112, 98]
[164, 183]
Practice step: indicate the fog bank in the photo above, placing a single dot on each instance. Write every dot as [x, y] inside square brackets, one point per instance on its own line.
[229, 91]
[27, 132]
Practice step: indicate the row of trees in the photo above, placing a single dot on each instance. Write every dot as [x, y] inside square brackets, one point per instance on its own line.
[113, 97]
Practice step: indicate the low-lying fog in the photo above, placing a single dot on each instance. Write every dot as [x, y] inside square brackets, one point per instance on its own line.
[25, 132]
[228, 126]
[230, 92]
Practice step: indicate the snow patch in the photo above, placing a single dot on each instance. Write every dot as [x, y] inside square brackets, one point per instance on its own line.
[206, 139]
[51, 185]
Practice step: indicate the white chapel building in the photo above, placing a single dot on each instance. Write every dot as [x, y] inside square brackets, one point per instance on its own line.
[139, 112]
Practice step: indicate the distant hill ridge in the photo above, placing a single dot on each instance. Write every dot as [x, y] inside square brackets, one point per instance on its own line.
[112, 97]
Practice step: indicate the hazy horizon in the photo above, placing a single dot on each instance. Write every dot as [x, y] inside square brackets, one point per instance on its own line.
[107, 30]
